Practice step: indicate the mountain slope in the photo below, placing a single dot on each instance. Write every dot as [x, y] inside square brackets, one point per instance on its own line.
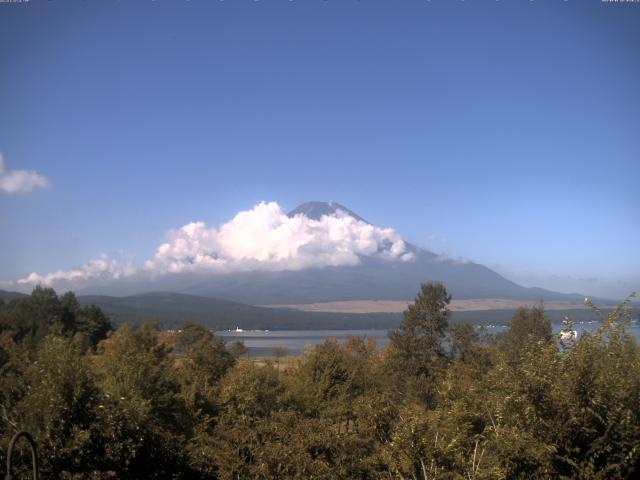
[373, 279]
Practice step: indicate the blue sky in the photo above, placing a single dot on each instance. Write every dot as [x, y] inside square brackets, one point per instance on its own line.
[502, 132]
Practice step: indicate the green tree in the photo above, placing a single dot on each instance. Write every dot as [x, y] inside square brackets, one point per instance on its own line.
[248, 397]
[597, 426]
[92, 324]
[237, 349]
[416, 354]
[203, 361]
[527, 327]
[32, 318]
[58, 407]
[143, 420]
[279, 352]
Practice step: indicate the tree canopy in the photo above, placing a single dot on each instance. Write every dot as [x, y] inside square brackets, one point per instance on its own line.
[441, 401]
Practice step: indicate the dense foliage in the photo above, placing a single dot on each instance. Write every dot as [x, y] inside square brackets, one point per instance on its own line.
[440, 402]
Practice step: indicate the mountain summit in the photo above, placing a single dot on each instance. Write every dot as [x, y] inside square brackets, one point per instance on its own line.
[315, 210]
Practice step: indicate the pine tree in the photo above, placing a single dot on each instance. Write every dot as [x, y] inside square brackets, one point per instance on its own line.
[416, 349]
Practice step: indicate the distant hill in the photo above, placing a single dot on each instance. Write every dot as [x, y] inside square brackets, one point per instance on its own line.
[8, 296]
[171, 309]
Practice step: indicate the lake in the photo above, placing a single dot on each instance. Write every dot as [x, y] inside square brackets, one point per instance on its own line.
[260, 343]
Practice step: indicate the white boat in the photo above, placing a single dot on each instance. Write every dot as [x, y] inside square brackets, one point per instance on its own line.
[567, 337]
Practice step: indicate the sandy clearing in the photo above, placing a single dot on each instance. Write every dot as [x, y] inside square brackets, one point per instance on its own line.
[398, 306]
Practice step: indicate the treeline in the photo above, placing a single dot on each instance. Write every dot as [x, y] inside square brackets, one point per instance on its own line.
[438, 402]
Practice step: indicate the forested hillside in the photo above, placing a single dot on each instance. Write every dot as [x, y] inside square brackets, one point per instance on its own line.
[439, 402]
[170, 309]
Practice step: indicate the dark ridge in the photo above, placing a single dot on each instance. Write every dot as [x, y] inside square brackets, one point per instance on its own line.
[8, 296]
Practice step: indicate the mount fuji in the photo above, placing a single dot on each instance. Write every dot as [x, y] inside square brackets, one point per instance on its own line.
[374, 277]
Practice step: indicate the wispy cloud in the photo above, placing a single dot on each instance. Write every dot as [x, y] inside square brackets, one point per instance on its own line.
[603, 285]
[20, 181]
[102, 269]
[262, 238]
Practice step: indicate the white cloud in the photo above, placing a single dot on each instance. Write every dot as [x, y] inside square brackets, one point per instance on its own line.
[446, 257]
[94, 270]
[265, 238]
[20, 181]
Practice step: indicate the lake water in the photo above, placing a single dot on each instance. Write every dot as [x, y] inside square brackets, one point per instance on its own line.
[261, 343]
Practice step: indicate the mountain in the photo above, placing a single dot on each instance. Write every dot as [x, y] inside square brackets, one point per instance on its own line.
[374, 278]
[315, 210]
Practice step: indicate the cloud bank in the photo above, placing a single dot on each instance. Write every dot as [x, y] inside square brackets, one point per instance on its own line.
[20, 181]
[263, 238]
